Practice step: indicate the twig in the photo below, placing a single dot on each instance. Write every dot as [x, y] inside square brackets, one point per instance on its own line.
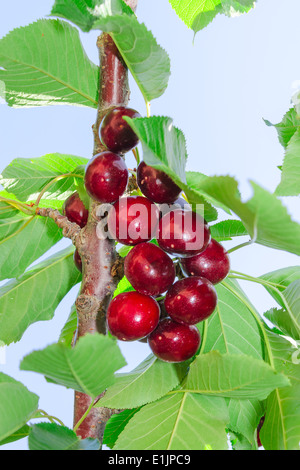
[70, 229]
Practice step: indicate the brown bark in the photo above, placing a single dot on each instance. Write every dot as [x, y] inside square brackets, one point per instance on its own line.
[101, 268]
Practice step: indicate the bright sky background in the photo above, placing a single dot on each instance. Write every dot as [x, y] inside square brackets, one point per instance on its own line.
[238, 72]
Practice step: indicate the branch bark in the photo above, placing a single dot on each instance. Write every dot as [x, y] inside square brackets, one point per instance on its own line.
[101, 267]
[70, 229]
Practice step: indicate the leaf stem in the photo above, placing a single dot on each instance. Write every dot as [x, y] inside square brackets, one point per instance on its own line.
[53, 181]
[242, 245]
[21, 206]
[52, 419]
[248, 243]
[84, 416]
[148, 107]
[246, 277]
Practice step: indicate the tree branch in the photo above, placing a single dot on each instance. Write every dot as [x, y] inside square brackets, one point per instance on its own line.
[102, 269]
[70, 229]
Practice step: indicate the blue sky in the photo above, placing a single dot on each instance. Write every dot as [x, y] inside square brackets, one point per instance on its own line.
[237, 72]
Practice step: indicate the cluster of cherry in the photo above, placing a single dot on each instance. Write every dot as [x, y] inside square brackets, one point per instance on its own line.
[182, 236]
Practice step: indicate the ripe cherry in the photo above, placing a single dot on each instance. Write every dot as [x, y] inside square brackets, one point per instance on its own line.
[149, 269]
[180, 203]
[115, 132]
[75, 210]
[213, 263]
[191, 300]
[183, 233]
[174, 342]
[156, 185]
[78, 260]
[106, 177]
[132, 316]
[133, 220]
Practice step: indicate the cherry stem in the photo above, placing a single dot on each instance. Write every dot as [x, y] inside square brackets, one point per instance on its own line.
[136, 154]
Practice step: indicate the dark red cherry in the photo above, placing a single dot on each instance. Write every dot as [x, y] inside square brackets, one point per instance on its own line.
[106, 177]
[183, 233]
[133, 220]
[191, 300]
[174, 342]
[78, 261]
[132, 316]
[180, 203]
[115, 132]
[149, 269]
[156, 185]
[213, 263]
[75, 210]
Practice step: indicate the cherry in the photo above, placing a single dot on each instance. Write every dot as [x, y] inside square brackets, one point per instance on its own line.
[115, 132]
[213, 263]
[133, 220]
[106, 177]
[149, 269]
[191, 300]
[180, 203]
[156, 185]
[183, 233]
[78, 260]
[174, 342]
[74, 209]
[132, 316]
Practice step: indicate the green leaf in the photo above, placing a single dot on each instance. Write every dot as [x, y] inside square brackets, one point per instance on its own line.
[34, 296]
[281, 278]
[16, 436]
[50, 436]
[84, 13]
[234, 314]
[197, 14]
[17, 405]
[287, 127]
[263, 215]
[288, 318]
[227, 229]
[38, 66]
[245, 416]
[23, 240]
[26, 177]
[148, 62]
[123, 286]
[68, 330]
[84, 368]
[290, 175]
[116, 424]
[281, 429]
[164, 148]
[151, 380]
[182, 421]
[240, 442]
[233, 376]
